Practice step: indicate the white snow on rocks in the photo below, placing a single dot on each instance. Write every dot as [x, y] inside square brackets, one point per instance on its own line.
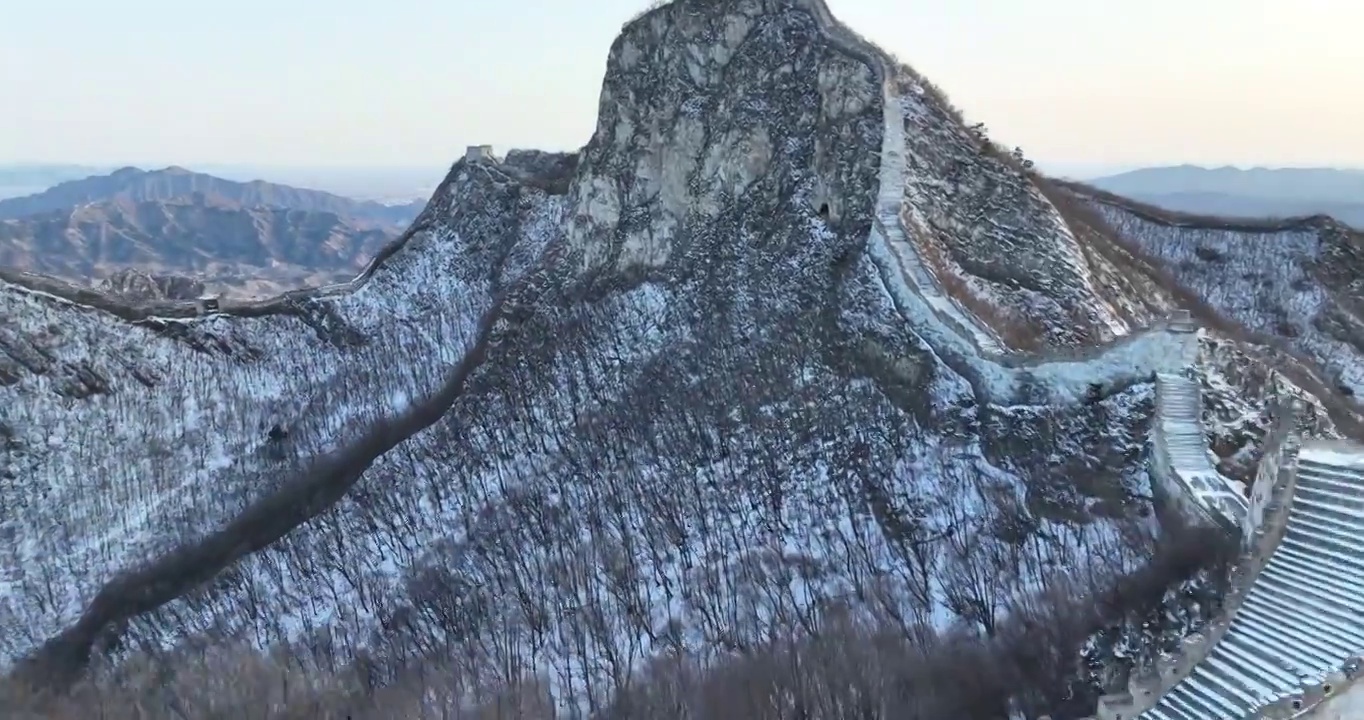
[1262, 280]
[206, 433]
[1183, 440]
[1003, 377]
[1303, 619]
[451, 499]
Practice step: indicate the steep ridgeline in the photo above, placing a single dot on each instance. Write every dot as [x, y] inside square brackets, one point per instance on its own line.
[1295, 283]
[707, 375]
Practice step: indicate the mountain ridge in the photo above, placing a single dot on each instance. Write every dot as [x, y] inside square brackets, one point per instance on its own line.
[1251, 193]
[1315, 184]
[748, 334]
[174, 182]
[230, 248]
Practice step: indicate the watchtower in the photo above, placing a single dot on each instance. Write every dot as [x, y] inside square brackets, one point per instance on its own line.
[474, 153]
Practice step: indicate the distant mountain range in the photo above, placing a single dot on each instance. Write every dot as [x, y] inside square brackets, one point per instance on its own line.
[172, 183]
[44, 174]
[241, 247]
[257, 237]
[235, 237]
[1254, 192]
[29, 178]
[388, 184]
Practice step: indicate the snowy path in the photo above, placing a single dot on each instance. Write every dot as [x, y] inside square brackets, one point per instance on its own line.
[888, 229]
[889, 204]
[957, 334]
[1303, 619]
[1180, 415]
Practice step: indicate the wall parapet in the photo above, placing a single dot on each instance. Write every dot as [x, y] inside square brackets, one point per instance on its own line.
[1281, 445]
[1147, 683]
[1317, 696]
[1182, 465]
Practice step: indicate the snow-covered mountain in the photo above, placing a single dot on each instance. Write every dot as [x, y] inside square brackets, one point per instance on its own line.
[786, 339]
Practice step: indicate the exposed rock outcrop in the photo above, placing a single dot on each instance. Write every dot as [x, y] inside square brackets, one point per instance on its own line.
[729, 381]
[139, 286]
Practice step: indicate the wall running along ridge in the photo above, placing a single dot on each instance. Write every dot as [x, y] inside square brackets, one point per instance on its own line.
[1185, 475]
[998, 375]
[1289, 639]
[1175, 685]
[961, 339]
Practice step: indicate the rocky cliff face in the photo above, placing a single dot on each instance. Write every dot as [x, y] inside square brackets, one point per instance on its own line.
[672, 394]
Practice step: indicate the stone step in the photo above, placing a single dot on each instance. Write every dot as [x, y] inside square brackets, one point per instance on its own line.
[1315, 477]
[1343, 473]
[1332, 533]
[1343, 500]
[1346, 495]
[1186, 443]
[1187, 448]
[1179, 402]
[1312, 508]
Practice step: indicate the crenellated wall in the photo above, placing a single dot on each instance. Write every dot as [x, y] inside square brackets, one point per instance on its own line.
[1184, 477]
[1280, 444]
[1313, 699]
[1341, 697]
[1147, 684]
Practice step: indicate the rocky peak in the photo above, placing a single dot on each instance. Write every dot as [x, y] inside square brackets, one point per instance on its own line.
[758, 352]
[704, 104]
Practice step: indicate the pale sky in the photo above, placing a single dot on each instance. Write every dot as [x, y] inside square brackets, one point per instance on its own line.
[411, 82]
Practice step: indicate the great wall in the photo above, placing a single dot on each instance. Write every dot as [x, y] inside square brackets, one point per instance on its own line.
[1288, 638]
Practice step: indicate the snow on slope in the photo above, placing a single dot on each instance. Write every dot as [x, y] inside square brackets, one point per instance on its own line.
[712, 409]
[999, 376]
[1270, 279]
[177, 441]
[989, 233]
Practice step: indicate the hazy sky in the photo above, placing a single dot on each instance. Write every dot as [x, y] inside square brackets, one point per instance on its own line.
[411, 82]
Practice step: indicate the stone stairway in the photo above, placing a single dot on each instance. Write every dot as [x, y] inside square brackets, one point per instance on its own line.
[1181, 401]
[1180, 404]
[1301, 625]
[890, 203]
[922, 277]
